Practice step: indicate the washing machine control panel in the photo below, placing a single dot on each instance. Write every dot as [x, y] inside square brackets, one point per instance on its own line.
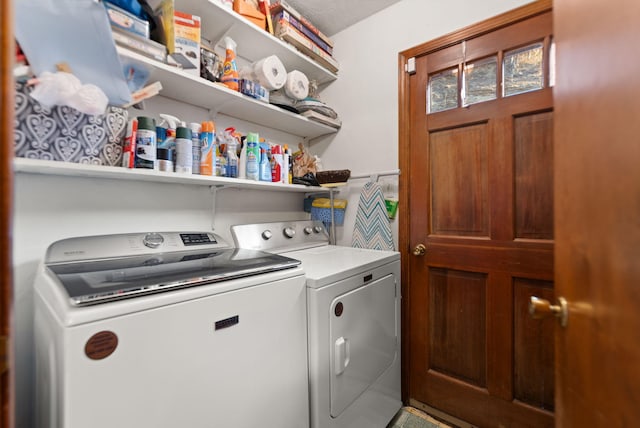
[130, 244]
[280, 236]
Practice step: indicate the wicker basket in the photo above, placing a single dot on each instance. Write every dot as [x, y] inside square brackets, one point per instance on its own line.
[333, 176]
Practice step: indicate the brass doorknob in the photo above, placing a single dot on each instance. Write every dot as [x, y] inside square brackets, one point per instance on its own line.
[419, 250]
[541, 308]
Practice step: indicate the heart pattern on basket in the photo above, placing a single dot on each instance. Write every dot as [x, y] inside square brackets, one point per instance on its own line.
[41, 128]
[64, 134]
[93, 135]
[67, 148]
[70, 118]
[113, 154]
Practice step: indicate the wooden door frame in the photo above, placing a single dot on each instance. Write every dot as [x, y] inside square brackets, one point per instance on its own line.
[405, 130]
[7, 49]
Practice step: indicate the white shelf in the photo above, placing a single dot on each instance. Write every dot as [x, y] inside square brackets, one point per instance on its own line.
[191, 89]
[45, 167]
[253, 42]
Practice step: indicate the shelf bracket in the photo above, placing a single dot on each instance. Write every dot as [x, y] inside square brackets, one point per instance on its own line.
[214, 199]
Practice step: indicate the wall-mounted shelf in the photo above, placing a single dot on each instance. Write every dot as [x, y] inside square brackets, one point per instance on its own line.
[194, 90]
[45, 167]
[253, 42]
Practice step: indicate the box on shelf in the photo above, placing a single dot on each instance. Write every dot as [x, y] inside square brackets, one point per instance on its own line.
[180, 33]
[321, 210]
[62, 133]
[249, 10]
[126, 21]
[187, 41]
[254, 90]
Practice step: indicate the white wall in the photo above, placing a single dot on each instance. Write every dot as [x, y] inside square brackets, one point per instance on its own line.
[366, 92]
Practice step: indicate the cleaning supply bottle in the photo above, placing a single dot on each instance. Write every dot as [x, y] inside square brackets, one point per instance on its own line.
[230, 68]
[276, 164]
[242, 161]
[285, 165]
[253, 156]
[265, 166]
[208, 148]
[195, 147]
[166, 132]
[184, 147]
[146, 156]
[232, 154]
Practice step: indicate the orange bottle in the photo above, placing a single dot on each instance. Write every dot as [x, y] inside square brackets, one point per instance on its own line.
[230, 68]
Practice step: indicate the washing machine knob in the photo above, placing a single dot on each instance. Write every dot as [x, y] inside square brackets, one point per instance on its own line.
[266, 235]
[289, 232]
[308, 230]
[317, 229]
[152, 240]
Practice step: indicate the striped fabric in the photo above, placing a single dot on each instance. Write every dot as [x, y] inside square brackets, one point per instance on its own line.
[372, 229]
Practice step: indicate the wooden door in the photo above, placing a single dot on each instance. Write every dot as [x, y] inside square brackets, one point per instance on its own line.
[480, 192]
[597, 188]
[7, 53]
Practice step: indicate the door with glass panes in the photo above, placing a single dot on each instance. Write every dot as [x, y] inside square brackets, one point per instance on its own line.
[480, 157]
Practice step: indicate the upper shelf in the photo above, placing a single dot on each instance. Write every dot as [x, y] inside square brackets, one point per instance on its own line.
[195, 90]
[253, 42]
[45, 167]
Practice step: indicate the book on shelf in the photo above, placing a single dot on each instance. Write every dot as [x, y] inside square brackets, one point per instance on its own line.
[139, 44]
[290, 34]
[279, 5]
[283, 14]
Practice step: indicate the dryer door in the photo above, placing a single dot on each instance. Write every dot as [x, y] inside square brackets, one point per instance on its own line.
[363, 339]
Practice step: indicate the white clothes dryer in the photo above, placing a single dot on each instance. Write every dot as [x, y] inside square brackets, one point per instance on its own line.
[353, 304]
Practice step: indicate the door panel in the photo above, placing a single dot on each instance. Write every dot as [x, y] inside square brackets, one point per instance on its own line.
[481, 201]
[458, 343]
[533, 376]
[533, 176]
[459, 199]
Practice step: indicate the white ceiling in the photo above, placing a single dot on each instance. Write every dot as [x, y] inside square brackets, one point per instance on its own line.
[333, 16]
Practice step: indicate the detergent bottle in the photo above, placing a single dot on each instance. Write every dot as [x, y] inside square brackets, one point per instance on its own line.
[230, 68]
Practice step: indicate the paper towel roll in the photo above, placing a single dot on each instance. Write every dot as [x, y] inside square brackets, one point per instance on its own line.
[297, 85]
[270, 72]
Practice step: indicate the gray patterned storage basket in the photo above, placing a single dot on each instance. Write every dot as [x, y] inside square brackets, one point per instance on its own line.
[62, 133]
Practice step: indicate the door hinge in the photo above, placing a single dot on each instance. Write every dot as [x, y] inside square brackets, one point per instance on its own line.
[410, 66]
[4, 354]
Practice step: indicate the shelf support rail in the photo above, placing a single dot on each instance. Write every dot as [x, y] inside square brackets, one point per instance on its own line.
[374, 176]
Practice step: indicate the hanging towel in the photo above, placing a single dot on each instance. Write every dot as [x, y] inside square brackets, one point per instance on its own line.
[372, 229]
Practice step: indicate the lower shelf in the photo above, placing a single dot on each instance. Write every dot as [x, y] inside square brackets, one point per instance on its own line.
[45, 167]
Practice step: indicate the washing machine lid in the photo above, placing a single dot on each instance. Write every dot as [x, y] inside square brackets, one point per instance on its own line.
[327, 264]
[90, 282]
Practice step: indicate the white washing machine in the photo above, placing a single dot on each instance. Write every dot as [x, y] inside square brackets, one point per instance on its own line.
[166, 330]
[353, 303]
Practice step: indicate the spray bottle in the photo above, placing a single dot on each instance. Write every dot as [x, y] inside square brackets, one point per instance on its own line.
[230, 68]
[166, 133]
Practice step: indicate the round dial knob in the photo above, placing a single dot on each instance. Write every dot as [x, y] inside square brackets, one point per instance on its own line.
[267, 234]
[152, 240]
[317, 229]
[308, 230]
[289, 232]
